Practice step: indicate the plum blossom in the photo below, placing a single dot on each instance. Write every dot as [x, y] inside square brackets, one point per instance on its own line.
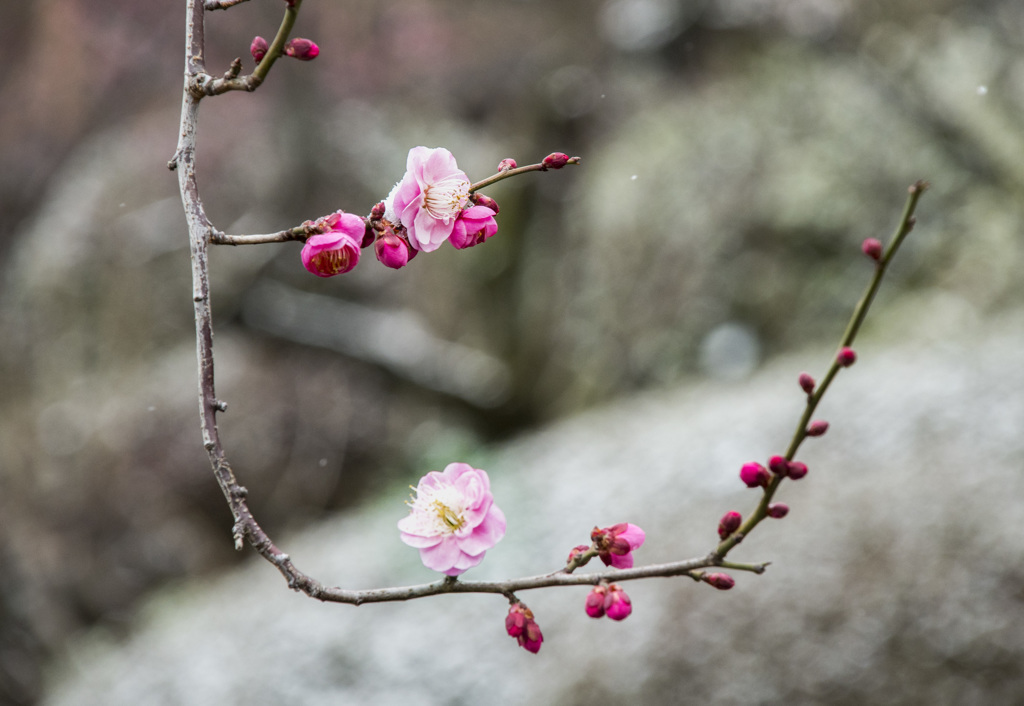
[474, 226]
[453, 520]
[608, 600]
[429, 198]
[615, 544]
[335, 251]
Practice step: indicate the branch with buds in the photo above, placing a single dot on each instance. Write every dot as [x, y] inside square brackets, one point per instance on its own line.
[453, 518]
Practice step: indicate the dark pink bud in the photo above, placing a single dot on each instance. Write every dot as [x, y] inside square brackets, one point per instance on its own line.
[595, 602]
[617, 604]
[506, 164]
[729, 523]
[806, 383]
[778, 510]
[258, 49]
[846, 357]
[778, 465]
[393, 250]
[817, 428]
[377, 212]
[797, 470]
[520, 624]
[481, 200]
[369, 235]
[723, 582]
[575, 552]
[556, 160]
[754, 475]
[872, 247]
[301, 49]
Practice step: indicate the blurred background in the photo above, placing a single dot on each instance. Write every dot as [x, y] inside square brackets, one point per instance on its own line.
[735, 153]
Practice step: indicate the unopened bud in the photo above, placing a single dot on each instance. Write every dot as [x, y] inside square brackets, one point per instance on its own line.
[806, 383]
[729, 523]
[556, 160]
[617, 605]
[778, 510]
[575, 552]
[817, 428]
[481, 200]
[723, 582]
[595, 602]
[778, 465]
[797, 470]
[506, 164]
[872, 247]
[258, 49]
[377, 212]
[754, 475]
[301, 49]
[846, 357]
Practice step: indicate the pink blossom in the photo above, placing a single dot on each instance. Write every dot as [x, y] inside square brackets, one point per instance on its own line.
[519, 623]
[615, 544]
[617, 605]
[429, 198]
[474, 225]
[337, 250]
[453, 520]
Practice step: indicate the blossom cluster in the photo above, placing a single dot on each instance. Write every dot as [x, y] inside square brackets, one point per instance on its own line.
[430, 205]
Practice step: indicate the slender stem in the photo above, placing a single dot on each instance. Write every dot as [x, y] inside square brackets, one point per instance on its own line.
[297, 233]
[906, 224]
[494, 179]
[254, 80]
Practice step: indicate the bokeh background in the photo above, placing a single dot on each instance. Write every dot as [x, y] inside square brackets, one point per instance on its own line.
[735, 153]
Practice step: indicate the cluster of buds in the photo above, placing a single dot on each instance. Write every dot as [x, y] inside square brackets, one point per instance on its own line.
[390, 242]
[298, 48]
[610, 600]
[520, 624]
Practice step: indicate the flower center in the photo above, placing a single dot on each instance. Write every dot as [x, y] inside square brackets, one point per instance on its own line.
[445, 199]
[448, 516]
[331, 261]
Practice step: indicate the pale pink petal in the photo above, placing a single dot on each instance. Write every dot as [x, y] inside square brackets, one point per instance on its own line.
[442, 556]
[419, 541]
[621, 561]
[486, 534]
[634, 535]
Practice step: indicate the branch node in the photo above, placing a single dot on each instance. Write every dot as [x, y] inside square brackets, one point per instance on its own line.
[220, 405]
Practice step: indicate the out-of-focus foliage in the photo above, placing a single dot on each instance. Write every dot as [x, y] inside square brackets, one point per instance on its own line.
[766, 140]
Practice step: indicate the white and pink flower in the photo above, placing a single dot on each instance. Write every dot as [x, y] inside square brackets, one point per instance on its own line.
[453, 519]
[429, 198]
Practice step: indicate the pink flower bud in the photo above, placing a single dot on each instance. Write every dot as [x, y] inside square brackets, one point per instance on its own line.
[576, 551]
[615, 544]
[393, 250]
[806, 383]
[846, 357]
[258, 49]
[556, 160]
[377, 212]
[301, 49]
[506, 164]
[729, 523]
[778, 465]
[481, 200]
[778, 510]
[595, 602]
[797, 470]
[723, 582]
[872, 247]
[617, 605]
[520, 624]
[474, 225]
[754, 475]
[817, 428]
